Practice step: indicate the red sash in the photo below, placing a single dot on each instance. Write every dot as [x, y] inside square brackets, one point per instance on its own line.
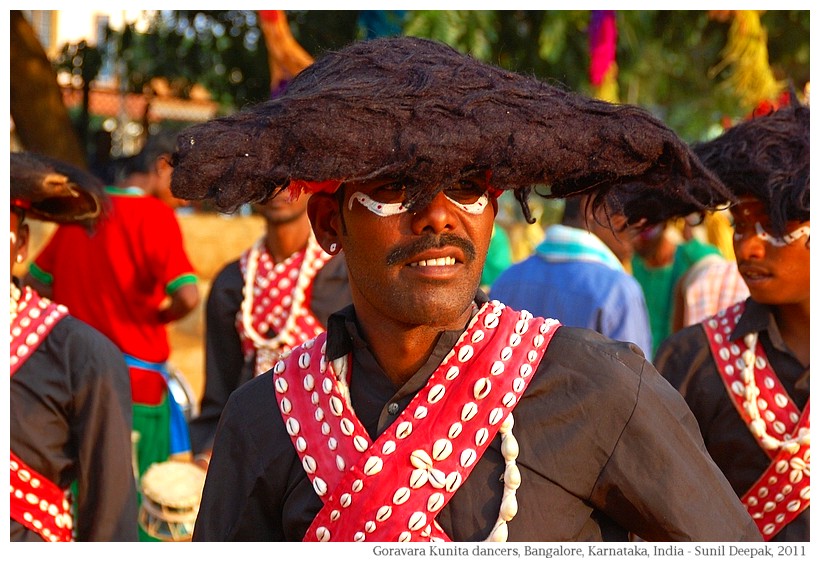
[393, 488]
[36, 503]
[782, 491]
[280, 301]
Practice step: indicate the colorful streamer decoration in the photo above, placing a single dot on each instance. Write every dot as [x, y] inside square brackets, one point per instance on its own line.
[746, 55]
[603, 70]
[286, 58]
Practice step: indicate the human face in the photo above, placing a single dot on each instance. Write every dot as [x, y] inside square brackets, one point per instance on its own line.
[775, 270]
[281, 210]
[414, 268]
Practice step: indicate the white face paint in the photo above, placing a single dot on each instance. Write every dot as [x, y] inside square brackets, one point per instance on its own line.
[776, 241]
[390, 209]
[13, 237]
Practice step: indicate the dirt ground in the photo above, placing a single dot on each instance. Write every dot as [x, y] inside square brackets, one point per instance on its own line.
[211, 240]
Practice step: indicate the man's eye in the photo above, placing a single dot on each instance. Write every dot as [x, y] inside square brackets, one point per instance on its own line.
[465, 192]
[389, 193]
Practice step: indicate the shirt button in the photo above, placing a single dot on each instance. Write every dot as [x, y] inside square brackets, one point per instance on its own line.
[392, 408]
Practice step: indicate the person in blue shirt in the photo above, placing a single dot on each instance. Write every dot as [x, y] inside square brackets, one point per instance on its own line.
[576, 275]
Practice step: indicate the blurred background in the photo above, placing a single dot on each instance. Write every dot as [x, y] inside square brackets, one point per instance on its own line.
[88, 86]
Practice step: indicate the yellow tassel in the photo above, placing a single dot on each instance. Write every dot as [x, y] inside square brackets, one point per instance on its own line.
[747, 54]
[608, 90]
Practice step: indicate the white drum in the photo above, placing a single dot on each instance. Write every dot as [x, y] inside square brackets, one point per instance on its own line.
[171, 492]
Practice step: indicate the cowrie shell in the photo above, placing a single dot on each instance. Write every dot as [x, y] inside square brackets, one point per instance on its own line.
[308, 382]
[340, 463]
[373, 466]
[512, 477]
[453, 481]
[320, 486]
[327, 386]
[521, 326]
[281, 385]
[435, 501]
[478, 335]
[405, 536]
[519, 385]
[309, 464]
[332, 443]
[467, 457]
[336, 405]
[496, 415]
[481, 388]
[465, 353]
[319, 414]
[490, 321]
[442, 449]
[515, 340]
[508, 400]
[347, 426]
[345, 500]
[286, 406]
[436, 478]
[506, 353]
[359, 536]
[292, 427]
[301, 444]
[538, 340]
[384, 513]
[404, 429]
[418, 478]
[357, 485]
[452, 373]
[509, 447]
[370, 526]
[455, 430]
[436, 393]
[401, 496]
[481, 436]
[322, 534]
[420, 459]
[389, 447]
[509, 507]
[314, 398]
[420, 413]
[507, 424]
[360, 443]
[497, 368]
[304, 360]
[468, 411]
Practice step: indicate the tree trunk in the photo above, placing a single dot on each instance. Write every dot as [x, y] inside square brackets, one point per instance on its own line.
[40, 117]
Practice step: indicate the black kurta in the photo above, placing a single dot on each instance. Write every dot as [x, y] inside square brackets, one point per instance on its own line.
[226, 367]
[70, 419]
[685, 360]
[606, 447]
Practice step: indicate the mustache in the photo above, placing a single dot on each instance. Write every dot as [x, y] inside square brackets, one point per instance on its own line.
[403, 253]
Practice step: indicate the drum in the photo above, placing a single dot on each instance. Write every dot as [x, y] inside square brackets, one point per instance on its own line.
[183, 393]
[171, 492]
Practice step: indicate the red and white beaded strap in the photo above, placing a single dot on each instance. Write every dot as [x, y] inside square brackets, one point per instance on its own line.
[36, 317]
[277, 296]
[783, 490]
[430, 448]
[38, 504]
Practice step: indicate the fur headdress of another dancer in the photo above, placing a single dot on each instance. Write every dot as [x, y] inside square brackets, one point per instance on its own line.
[768, 158]
[55, 191]
[417, 110]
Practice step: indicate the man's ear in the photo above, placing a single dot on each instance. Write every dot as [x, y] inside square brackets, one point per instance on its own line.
[325, 218]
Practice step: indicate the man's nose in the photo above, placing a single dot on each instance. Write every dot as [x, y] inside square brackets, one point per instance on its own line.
[437, 216]
[748, 245]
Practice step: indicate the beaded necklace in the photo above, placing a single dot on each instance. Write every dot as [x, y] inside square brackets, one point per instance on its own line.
[291, 333]
[757, 425]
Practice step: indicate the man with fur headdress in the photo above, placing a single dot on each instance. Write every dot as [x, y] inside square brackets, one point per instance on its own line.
[70, 397]
[745, 371]
[427, 412]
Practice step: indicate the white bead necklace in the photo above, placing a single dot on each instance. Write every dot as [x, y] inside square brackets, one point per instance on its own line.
[509, 450]
[14, 301]
[756, 423]
[306, 273]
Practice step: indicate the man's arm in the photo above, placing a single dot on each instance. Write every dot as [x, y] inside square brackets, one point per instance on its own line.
[182, 301]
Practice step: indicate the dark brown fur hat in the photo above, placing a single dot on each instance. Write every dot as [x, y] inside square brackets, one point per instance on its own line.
[55, 191]
[767, 157]
[417, 110]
